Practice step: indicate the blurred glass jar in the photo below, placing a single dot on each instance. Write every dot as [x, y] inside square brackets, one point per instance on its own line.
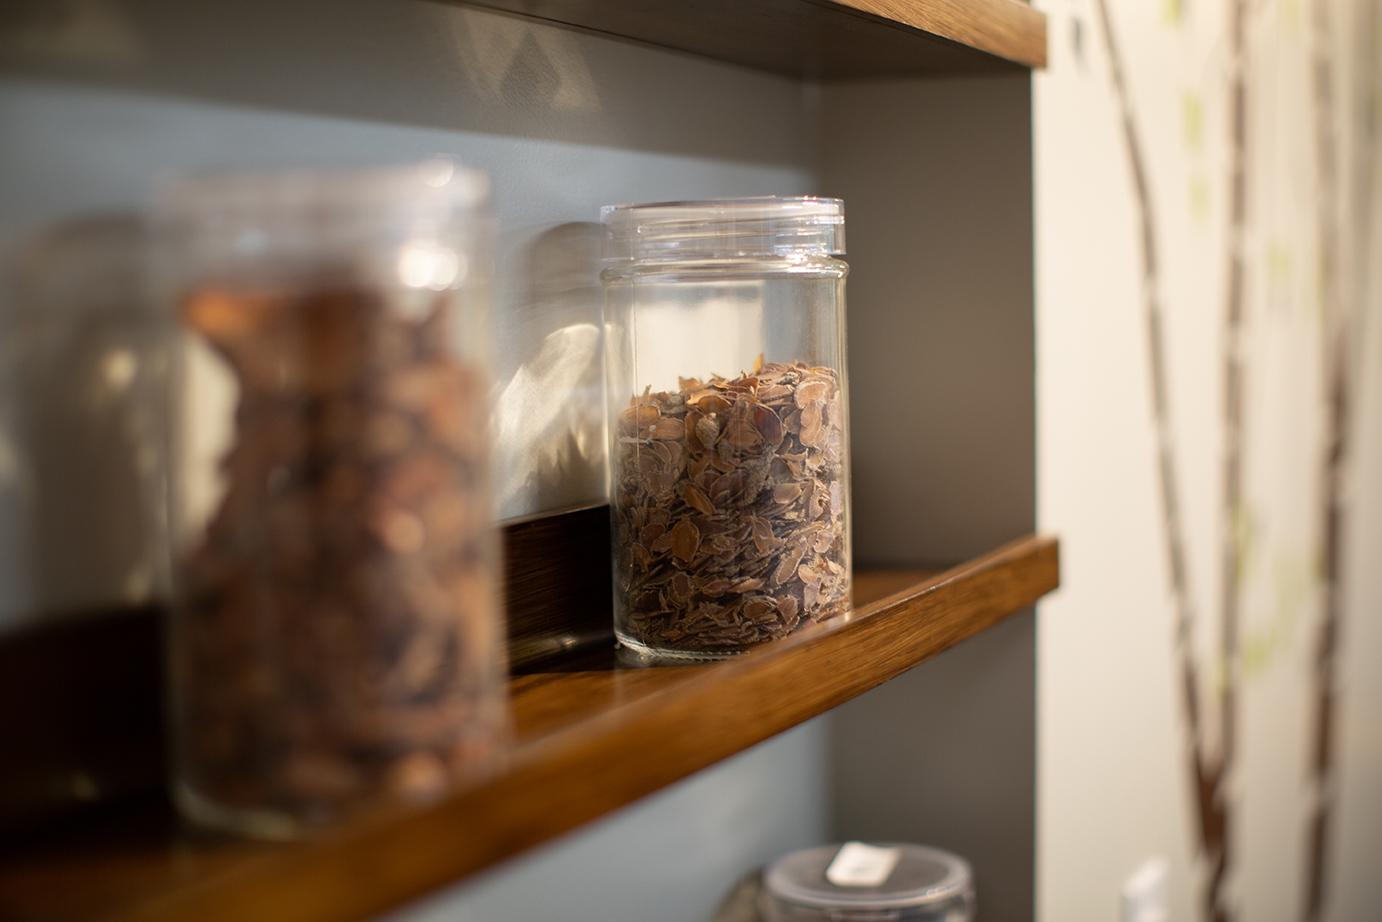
[83, 361]
[868, 883]
[82, 366]
[729, 444]
[336, 640]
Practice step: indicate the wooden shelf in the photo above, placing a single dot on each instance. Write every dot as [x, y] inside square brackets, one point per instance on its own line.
[592, 736]
[819, 38]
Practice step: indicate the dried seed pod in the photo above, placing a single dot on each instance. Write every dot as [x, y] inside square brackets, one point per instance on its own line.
[763, 538]
[711, 404]
[811, 391]
[695, 497]
[637, 418]
[751, 542]
[667, 428]
[769, 425]
[339, 637]
[707, 431]
[742, 434]
[786, 492]
[686, 540]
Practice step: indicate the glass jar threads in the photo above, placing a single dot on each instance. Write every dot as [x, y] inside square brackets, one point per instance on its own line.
[336, 639]
[729, 442]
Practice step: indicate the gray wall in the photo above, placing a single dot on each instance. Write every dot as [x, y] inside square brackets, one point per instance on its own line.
[938, 180]
[675, 856]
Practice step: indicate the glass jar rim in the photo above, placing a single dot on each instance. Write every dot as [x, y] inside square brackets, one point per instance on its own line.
[929, 876]
[768, 225]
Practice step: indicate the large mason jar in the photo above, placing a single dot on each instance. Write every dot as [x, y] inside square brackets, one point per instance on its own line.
[729, 441]
[336, 640]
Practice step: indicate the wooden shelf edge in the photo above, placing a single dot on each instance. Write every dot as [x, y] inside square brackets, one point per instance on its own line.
[816, 39]
[1009, 29]
[578, 774]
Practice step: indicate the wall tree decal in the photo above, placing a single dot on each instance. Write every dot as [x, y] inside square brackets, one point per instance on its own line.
[1343, 272]
[1209, 772]
[1233, 421]
[1343, 314]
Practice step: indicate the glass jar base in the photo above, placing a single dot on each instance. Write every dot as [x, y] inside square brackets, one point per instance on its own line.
[643, 654]
[268, 825]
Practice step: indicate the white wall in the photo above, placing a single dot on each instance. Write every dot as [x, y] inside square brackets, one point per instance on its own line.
[1113, 778]
[99, 97]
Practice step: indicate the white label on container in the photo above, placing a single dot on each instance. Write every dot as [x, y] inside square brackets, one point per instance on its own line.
[860, 865]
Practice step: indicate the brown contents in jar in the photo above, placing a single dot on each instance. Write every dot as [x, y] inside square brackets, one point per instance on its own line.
[339, 632]
[729, 509]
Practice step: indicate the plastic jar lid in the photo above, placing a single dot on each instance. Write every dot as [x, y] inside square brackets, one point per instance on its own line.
[772, 225]
[922, 879]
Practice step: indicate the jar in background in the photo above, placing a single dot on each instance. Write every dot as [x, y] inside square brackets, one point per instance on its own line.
[83, 364]
[336, 640]
[855, 882]
[729, 443]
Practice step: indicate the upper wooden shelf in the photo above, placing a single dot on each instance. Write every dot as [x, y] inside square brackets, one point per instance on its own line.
[819, 38]
[593, 736]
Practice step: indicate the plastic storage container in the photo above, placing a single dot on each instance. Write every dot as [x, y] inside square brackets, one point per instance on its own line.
[878, 883]
[729, 449]
[336, 640]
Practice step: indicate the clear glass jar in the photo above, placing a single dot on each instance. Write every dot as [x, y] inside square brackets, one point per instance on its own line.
[83, 365]
[729, 441]
[336, 640]
[868, 883]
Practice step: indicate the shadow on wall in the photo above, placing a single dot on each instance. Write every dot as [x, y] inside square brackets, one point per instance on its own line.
[81, 428]
[503, 74]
